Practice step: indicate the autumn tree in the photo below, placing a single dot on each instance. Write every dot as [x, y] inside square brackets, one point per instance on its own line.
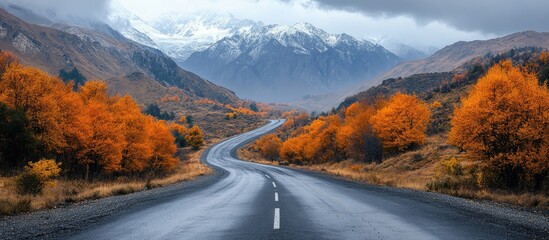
[315, 143]
[195, 138]
[357, 136]
[269, 145]
[7, 60]
[504, 124]
[136, 129]
[292, 150]
[402, 123]
[103, 153]
[435, 105]
[162, 159]
[90, 132]
[76, 127]
[37, 94]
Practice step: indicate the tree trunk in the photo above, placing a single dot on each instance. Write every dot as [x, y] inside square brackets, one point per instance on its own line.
[87, 172]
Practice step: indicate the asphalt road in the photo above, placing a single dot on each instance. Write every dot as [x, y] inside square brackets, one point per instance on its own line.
[253, 201]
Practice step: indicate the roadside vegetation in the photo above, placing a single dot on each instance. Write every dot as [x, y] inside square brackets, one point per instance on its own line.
[61, 143]
[483, 134]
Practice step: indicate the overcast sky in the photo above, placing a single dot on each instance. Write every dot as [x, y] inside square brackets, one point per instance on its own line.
[420, 23]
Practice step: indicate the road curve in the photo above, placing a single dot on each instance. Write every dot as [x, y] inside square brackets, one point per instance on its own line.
[254, 201]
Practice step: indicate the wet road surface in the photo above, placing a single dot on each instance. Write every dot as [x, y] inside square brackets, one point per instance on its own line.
[254, 201]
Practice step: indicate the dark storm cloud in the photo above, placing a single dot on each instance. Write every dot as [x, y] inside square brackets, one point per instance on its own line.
[488, 16]
[65, 9]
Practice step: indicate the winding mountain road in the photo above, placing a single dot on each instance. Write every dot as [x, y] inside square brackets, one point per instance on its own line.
[254, 201]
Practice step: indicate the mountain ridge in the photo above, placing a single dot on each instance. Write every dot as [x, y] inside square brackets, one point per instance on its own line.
[175, 34]
[284, 63]
[100, 53]
[456, 54]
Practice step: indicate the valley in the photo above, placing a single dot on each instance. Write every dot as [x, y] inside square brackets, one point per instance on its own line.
[273, 119]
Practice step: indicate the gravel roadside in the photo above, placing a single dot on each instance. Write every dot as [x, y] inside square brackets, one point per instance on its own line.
[60, 222]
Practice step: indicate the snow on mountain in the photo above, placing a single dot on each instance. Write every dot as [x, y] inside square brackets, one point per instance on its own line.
[177, 35]
[285, 63]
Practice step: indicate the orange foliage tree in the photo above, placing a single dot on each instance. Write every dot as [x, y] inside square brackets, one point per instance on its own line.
[357, 136]
[37, 94]
[136, 130]
[269, 145]
[316, 143]
[90, 132]
[504, 123]
[103, 152]
[163, 149]
[402, 123]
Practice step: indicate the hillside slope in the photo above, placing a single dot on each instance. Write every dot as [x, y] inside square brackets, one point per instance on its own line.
[101, 53]
[455, 55]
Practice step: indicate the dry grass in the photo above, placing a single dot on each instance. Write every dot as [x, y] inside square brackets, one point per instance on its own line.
[412, 170]
[68, 191]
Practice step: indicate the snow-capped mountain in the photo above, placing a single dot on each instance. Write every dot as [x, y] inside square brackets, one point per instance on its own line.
[177, 35]
[285, 63]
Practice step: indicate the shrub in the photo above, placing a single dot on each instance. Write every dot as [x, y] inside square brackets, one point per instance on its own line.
[36, 175]
[29, 182]
[451, 176]
[46, 169]
[195, 138]
[453, 167]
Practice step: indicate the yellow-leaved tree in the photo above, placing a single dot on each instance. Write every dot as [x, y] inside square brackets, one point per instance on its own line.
[504, 123]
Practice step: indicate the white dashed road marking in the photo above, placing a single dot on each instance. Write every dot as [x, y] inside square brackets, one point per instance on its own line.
[276, 197]
[274, 185]
[277, 219]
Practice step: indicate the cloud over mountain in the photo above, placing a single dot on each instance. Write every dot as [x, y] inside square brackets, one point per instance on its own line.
[487, 16]
[65, 9]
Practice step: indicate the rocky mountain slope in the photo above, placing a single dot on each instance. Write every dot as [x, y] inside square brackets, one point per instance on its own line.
[453, 56]
[284, 63]
[101, 52]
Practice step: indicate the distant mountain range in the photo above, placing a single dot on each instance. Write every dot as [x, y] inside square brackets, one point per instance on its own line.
[177, 35]
[98, 51]
[408, 52]
[285, 63]
[266, 63]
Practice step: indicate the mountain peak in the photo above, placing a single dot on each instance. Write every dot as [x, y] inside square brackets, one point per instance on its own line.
[286, 62]
[179, 35]
[307, 28]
